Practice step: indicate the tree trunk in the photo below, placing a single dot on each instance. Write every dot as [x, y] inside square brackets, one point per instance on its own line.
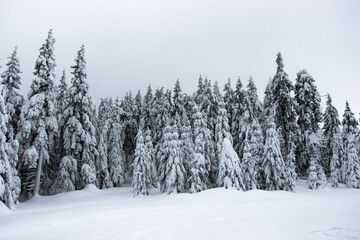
[38, 172]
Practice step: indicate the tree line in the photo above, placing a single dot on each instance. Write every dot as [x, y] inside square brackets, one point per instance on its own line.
[55, 139]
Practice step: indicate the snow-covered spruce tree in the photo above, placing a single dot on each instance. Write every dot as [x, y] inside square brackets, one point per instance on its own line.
[273, 164]
[309, 116]
[285, 111]
[333, 152]
[316, 176]
[222, 131]
[228, 100]
[146, 111]
[230, 172]
[138, 107]
[208, 104]
[352, 163]
[65, 179]
[9, 181]
[79, 133]
[130, 127]
[61, 95]
[237, 115]
[187, 145]
[103, 129]
[350, 166]
[256, 142]
[199, 179]
[14, 101]
[249, 167]
[143, 167]
[161, 118]
[172, 171]
[255, 103]
[149, 148]
[39, 125]
[116, 154]
[178, 108]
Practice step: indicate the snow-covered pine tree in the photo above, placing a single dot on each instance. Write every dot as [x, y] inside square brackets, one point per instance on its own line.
[138, 107]
[237, 115]
[333, 142]
[350, 168]
[273, 164]
[256, 144]
[65, 179]
[285, 110]
[249, 167]
[146, 111]
[39, 125]
[130, 127]
[116, 154]
[228, 100]
[61, 95]
[104, 122]
[14, 101]
[161, 117]
[230, 172]
[255, 103]
[187, 145]
[79, 133]
[199, 179]
[309, 116]
[316, 176]
[352, 163]
[142, 174]
[172, 171]
[9, 181]
[178, 108]
[222, 131]
[149, 148]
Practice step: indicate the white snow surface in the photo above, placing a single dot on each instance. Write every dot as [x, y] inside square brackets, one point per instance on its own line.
[212, 214]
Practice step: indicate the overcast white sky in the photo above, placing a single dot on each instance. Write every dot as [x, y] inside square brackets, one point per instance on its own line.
[132, 43]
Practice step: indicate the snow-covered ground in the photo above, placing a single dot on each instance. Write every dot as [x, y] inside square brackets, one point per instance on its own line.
[214, 214]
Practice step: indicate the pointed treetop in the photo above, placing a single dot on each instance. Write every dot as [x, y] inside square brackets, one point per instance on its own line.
[279, 62]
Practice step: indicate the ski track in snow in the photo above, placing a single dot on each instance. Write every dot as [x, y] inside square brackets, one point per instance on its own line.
[213, 214]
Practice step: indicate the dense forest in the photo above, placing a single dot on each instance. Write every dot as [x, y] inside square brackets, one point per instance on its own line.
[55, 140]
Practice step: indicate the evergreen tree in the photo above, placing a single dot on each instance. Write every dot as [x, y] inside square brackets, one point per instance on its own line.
[61, 95]
[13, 100]
[143, 169]
[350, 167]
[285, 110]
[316, 176]
[228, 100]
[201, 165]
[9, 181]
[187, 145]
[147, 108]
[309, 112]
[104, 127]
[255, 103]
[79, 133]
[178, 103]
[65, 180]
[230, 172]
[273, 163]
[39, 125]
[172, 172]
[352, 164]
[116, 154]
[238, 116]
[333, 143]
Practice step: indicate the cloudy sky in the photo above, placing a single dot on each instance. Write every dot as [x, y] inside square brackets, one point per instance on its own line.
[132, 43]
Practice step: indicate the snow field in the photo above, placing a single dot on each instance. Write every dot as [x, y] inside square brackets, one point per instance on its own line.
[212, 214]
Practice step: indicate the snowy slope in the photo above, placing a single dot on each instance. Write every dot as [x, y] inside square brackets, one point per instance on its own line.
[212, 214]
